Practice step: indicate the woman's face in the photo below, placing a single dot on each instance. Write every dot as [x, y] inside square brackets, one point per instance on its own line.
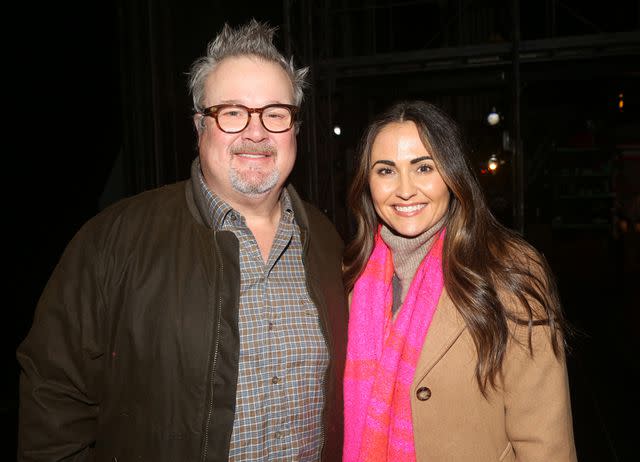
[408, 192]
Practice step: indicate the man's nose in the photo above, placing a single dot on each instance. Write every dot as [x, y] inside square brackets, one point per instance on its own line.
[255, 131]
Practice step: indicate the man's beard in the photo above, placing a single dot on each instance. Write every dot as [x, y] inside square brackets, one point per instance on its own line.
[254, 182]
[246, 183]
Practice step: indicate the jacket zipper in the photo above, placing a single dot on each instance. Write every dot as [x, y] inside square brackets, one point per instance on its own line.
[215, 360]
[325, 331]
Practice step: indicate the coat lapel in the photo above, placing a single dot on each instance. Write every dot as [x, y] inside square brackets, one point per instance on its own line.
[446, 327]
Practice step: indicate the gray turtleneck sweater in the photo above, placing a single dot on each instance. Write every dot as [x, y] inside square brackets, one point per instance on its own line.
[408, 253]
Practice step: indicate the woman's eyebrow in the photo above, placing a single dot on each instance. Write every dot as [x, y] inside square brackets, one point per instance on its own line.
[385, 162]
[420, 159]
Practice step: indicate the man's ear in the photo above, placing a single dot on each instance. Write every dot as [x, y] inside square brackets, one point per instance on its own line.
[198, 122]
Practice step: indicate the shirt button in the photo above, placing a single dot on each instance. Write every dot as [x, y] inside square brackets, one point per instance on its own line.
[423, 393]
[270, 326]
[275, 379]
[279, 434]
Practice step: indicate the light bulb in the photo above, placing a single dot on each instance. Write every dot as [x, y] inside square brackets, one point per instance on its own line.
[493, 163]
[493, 118]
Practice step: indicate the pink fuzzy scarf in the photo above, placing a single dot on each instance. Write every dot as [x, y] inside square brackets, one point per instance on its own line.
[382, 354]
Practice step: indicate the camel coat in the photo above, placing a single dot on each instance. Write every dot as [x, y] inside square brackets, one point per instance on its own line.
[528, 417]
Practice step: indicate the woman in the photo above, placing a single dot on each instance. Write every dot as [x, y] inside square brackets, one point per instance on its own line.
[455, 349]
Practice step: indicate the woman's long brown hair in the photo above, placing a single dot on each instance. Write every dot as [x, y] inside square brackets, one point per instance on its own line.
[484, 263]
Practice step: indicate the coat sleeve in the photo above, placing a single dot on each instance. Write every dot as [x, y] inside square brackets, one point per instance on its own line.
[537, 401]
[59, 360]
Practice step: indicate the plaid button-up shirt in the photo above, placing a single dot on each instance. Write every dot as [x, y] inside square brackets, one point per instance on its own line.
[283, 354]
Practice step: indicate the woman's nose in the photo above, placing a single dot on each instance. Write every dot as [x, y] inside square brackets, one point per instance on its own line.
[406, 187]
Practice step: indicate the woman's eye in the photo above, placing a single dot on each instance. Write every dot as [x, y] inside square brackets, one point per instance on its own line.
[424, 168]
[384, 171]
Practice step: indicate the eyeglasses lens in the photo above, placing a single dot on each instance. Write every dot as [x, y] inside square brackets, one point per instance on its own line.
[274, 118]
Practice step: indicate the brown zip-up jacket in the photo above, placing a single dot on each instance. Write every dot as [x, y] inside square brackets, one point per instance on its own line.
[133, 352]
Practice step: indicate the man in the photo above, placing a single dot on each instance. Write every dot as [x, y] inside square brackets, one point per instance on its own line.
[206, 320]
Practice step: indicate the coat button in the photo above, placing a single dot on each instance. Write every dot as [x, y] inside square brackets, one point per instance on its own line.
[423, 393]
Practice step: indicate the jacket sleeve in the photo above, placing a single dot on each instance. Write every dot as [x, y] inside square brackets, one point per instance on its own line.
[537, 402]
[60, 360]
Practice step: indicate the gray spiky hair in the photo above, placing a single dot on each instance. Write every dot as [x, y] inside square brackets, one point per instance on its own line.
[251, 39]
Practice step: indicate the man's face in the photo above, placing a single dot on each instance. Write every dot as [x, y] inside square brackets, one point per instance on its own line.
[251, 165]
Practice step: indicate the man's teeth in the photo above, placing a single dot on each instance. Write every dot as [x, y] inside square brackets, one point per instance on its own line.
[409, 208]
[252, 156]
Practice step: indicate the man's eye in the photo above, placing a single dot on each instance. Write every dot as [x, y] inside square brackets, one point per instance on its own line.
[232, 114]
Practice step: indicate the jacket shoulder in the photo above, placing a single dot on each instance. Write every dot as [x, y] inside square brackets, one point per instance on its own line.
[533, 281]
[159, 203]
[129, 221]
[152, 200]
[320, 224]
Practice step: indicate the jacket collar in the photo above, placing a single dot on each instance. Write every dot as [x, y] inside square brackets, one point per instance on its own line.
[446, 327]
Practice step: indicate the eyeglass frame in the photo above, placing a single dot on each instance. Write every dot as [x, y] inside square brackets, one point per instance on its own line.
[212, 111]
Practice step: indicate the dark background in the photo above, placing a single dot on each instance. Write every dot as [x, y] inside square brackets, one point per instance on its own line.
[99, 110]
